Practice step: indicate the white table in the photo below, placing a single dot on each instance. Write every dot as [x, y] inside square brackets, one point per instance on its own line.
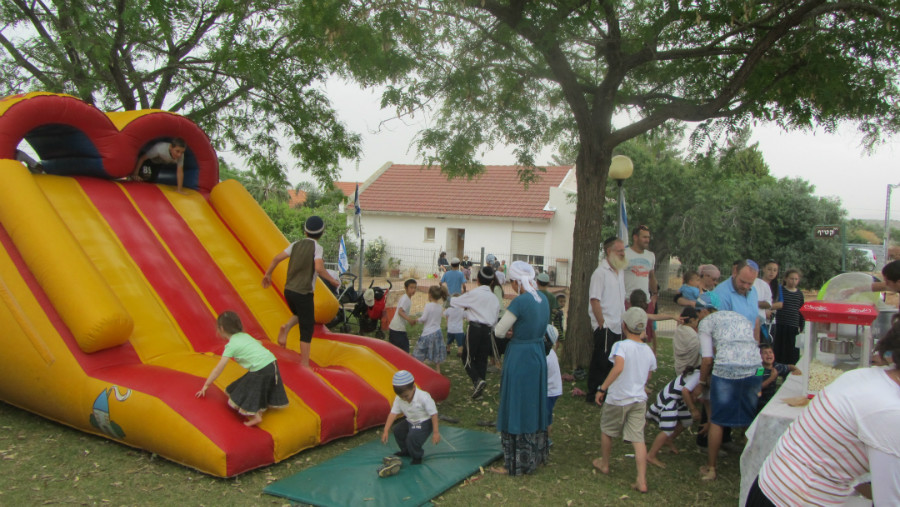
[769, 426]
[766, 428]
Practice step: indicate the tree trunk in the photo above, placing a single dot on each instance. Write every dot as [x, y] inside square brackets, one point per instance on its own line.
[591, 170]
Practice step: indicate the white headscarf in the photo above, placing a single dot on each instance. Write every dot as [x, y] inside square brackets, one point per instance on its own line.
[523, 273]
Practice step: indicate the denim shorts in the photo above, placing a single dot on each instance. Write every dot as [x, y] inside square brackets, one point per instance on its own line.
[733, 401]
[457, 338]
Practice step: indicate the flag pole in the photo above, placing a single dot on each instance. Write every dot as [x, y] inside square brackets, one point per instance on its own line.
[357, 219]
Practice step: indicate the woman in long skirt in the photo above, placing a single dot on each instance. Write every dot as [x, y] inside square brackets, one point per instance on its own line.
[523, 416]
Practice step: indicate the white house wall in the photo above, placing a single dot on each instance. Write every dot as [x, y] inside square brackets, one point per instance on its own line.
[408, 232]
[560, 244]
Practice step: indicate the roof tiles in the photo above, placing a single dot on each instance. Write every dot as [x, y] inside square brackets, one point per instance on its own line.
[497, 192]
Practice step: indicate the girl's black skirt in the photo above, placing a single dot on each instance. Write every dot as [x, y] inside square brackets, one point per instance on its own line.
[257, 390]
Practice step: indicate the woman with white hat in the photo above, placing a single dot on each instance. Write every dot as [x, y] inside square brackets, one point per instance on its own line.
[523, 416]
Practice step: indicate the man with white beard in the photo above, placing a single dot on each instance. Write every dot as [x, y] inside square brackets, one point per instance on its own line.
[607, 306]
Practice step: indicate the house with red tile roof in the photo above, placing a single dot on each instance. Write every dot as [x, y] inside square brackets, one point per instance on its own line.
[296, 197]
[417, 209]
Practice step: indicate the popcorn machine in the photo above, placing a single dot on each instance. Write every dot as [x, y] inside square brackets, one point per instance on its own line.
[840, 339]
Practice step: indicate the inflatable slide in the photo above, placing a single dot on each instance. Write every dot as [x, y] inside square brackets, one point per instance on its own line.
[109, 290]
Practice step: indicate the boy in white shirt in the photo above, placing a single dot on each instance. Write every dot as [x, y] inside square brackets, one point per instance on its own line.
[626, 400]
[455, 328]
[421, 420]
[397, 329]
[554, 376]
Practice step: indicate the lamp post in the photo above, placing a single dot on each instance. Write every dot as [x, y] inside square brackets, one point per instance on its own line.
[887, 223]
[620, 169]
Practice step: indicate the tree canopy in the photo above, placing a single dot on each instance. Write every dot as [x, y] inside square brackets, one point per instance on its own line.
[250, 73]
[594, 74]
[723, 205]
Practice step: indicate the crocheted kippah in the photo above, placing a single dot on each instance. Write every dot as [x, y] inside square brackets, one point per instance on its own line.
[402, 378]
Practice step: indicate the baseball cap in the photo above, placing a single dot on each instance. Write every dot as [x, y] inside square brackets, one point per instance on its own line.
[635, 320]
[552, 333]
[708, 300]
[454, 260]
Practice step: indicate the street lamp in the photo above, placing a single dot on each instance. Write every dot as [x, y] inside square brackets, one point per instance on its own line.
[887, 223]
[620, 169]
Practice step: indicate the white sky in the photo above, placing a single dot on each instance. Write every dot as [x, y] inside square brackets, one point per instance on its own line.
[836, 164]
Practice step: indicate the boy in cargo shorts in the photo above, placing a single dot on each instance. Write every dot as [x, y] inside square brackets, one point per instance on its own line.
[624, 395]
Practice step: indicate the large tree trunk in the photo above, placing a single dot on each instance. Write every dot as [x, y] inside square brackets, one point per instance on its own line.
[591, 170]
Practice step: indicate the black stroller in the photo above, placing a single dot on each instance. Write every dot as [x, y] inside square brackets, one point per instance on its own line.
[355, 314]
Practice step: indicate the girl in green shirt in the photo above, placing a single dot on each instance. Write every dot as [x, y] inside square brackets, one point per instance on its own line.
[261, 387]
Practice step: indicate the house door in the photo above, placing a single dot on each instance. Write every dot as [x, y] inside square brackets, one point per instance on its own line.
[456, 242]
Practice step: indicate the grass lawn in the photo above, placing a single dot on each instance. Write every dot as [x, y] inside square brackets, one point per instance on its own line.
[42, 462]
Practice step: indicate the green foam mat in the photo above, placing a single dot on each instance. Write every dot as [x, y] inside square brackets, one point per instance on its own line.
[351, 478]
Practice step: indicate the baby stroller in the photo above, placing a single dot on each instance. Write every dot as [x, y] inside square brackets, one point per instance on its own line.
[359, 313]
[369, 309]
[346, 296]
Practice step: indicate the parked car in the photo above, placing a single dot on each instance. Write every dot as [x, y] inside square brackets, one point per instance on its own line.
[861, 259]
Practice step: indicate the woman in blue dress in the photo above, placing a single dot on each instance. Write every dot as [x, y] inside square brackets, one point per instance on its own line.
[523, 417]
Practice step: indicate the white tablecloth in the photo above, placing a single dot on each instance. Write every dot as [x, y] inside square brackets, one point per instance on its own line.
[770, 424]
[766, 428]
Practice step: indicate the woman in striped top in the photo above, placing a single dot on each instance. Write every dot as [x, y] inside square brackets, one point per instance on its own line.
[848, 430]
[788, 321]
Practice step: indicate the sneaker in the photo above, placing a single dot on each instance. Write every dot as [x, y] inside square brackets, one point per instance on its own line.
[479, 389]
[388, 470]
[390, 460]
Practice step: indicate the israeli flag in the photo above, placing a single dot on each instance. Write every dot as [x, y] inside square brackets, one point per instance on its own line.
[343, 261]
[622, 232]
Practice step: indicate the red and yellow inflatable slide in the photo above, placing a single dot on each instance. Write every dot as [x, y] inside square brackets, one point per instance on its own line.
[109, 292]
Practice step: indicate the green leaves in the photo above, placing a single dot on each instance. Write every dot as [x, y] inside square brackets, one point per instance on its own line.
[249, 73]
[724, 206]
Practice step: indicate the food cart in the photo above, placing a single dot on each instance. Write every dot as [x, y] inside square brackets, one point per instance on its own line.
[840, 339]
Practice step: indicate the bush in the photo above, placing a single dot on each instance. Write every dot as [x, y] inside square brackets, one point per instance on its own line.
[374, 257]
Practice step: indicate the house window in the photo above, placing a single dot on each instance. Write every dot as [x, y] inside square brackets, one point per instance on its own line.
[537, 261]
[429, 234]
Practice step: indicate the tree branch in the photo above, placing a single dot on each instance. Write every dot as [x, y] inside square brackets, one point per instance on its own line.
[27, 65]
[115, 68]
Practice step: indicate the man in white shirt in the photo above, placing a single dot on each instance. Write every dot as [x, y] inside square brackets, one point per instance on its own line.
[607, 305]
[481, 307]
[641, 273]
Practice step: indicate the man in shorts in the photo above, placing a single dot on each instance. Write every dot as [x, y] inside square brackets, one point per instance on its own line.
[306, 262]
[734, 377]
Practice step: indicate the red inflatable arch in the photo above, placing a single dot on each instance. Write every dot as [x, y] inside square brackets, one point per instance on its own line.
[73, 138]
